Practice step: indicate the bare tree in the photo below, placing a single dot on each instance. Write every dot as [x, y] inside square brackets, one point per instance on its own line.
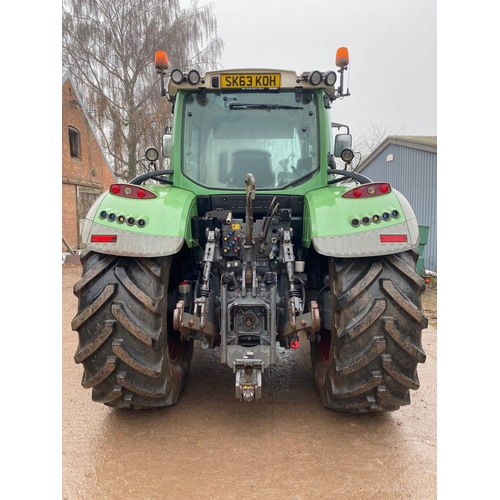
[371, 137]
[109, 47]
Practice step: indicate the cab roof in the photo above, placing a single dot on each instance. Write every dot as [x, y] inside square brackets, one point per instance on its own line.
[247, 79]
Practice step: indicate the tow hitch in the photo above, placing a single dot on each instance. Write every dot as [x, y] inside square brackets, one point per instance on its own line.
[248, 377]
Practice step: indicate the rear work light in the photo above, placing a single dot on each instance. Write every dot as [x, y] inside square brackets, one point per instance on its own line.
[368, 190]
[103, 238]
[131, 191]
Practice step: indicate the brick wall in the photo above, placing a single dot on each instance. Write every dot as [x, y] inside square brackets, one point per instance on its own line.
[89, 171]
[69, 218]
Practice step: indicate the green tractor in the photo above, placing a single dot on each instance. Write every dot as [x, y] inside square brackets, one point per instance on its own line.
[251, 242]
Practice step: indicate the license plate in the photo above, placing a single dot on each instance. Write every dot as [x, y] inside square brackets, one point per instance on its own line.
[250, 81]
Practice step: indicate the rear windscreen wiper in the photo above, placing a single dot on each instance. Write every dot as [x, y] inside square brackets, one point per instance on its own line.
[267, 107]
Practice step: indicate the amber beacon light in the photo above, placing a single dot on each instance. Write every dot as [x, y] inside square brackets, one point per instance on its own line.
[342, 57]
[161, 60]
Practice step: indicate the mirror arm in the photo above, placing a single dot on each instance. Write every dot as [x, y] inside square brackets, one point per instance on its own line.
[346, 174]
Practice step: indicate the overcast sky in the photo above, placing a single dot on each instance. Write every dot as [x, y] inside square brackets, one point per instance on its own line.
[392, 44]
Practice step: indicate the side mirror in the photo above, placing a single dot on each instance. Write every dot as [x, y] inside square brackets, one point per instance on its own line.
[166, 149]
[342, 141]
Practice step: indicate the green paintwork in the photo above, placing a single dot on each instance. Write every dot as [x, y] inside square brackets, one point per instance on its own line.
[167, 215]
[326, 213]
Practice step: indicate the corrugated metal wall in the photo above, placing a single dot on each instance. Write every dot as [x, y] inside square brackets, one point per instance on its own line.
[413, 172]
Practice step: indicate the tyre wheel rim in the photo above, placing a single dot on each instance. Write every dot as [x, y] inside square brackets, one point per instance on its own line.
[175, 349]
[324, 346]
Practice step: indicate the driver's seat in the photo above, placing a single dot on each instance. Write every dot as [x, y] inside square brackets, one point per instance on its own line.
[253, 161]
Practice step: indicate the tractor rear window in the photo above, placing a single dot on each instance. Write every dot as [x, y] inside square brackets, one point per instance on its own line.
[266, 133]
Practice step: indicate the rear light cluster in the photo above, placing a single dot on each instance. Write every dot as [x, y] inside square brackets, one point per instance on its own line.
[368, 190]
[130, 191]
[121, 219]
[394, 214]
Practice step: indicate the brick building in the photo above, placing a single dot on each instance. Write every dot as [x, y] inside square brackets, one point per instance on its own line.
[85, 170]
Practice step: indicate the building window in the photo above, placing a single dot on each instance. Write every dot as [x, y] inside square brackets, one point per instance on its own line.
[74, 142]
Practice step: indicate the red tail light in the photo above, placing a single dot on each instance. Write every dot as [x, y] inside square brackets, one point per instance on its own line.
[130, 191]
[368, 190]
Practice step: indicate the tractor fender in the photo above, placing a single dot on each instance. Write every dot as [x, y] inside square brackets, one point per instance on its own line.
[150, 227]
[328, 224]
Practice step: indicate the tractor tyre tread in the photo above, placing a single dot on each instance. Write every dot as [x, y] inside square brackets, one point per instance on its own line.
[122, 330]
[367, 361]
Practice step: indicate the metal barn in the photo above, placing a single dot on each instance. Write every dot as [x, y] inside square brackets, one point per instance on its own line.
[409, 164]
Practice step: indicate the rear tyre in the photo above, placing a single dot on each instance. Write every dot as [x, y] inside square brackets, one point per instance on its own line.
[132, 357]
[367, 360]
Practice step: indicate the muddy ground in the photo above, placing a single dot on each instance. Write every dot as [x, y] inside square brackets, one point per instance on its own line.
[210, 446]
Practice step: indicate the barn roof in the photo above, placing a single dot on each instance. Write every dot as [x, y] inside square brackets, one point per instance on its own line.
[422, 142]
[66, 75]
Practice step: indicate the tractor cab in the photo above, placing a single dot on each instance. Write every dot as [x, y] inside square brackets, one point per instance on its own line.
[265, 122]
